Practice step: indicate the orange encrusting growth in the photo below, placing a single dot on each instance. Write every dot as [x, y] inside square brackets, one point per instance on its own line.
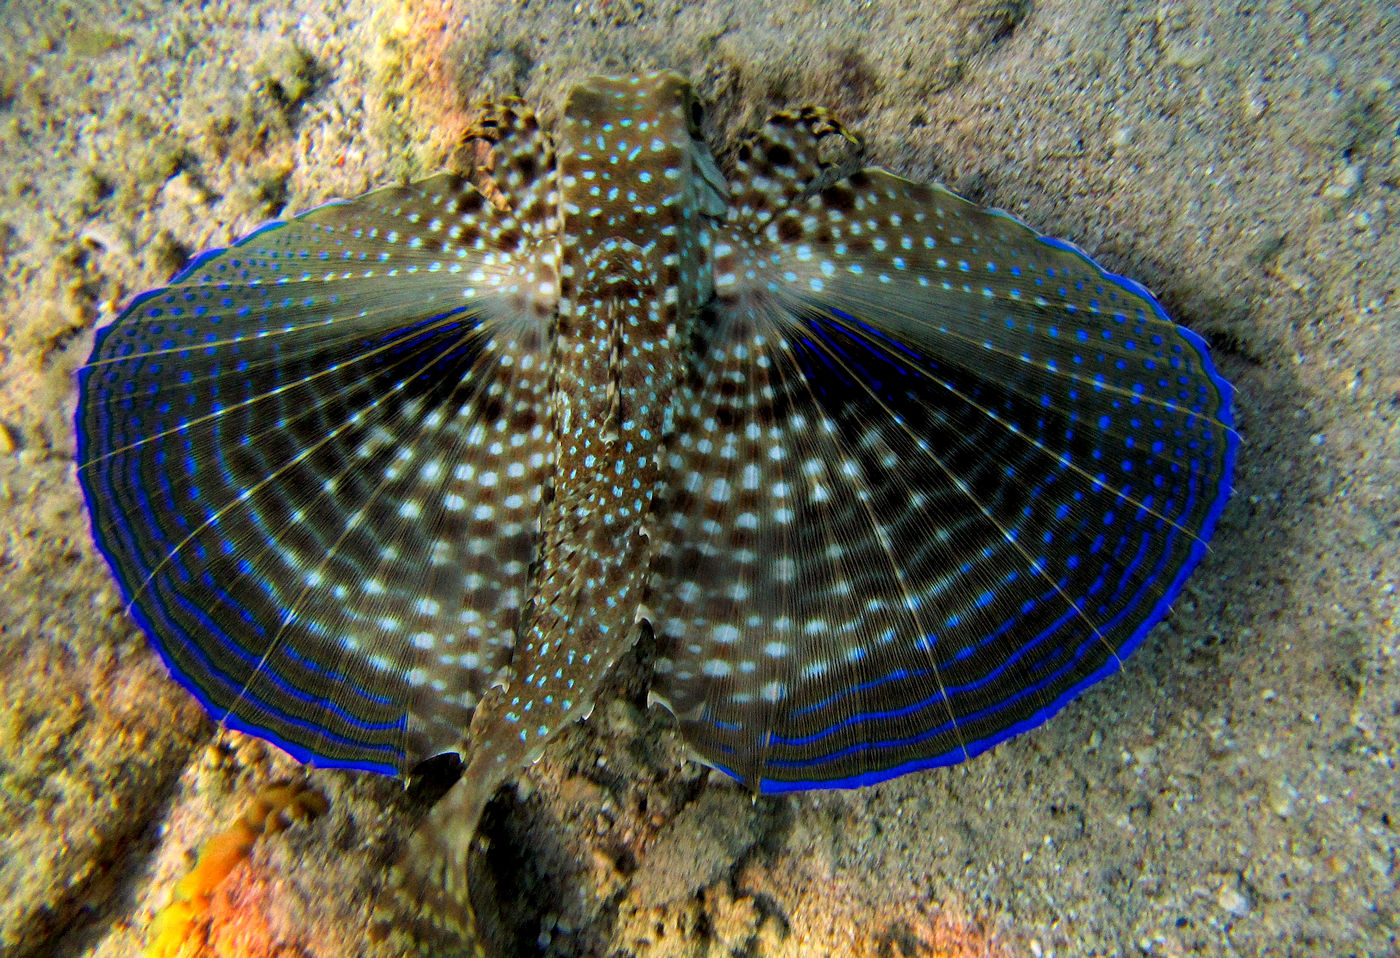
[415, 79]
[197, 922]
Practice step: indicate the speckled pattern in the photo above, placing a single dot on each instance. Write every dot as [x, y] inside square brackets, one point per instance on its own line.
[936, 472]
[1228, 792]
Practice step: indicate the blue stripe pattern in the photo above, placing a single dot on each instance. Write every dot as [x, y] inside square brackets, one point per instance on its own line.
[964, 474]
[271, 451]
[928, 474]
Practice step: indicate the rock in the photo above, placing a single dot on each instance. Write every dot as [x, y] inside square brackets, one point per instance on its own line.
[696, 847]
[1233, 899]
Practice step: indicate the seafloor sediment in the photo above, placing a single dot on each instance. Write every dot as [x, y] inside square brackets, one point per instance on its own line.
[1232, 791]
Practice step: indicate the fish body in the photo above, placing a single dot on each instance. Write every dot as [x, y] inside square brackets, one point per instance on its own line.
[891, 477]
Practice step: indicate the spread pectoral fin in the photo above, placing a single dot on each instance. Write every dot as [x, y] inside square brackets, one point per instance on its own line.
[315, 463]
[937, 474]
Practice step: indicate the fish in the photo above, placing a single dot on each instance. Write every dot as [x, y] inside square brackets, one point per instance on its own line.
[890, 477]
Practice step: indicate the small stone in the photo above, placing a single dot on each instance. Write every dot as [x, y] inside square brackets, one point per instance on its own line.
[697, 847]
[1297, 280]
[289, 73]
[1233, 900]
[1322, 65]
[1265, 248]
[1345, 184]
[548, 924]
[578, 790]
[1281, 798]
[7, 441]
[622, 718]
[1188, 56]
[93, 41]
[167, 255]
[1255, 106]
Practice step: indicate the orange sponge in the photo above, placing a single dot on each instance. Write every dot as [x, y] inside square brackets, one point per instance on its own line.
[186, 927]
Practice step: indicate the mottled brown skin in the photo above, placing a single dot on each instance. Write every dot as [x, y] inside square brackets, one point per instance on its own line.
[631, 278]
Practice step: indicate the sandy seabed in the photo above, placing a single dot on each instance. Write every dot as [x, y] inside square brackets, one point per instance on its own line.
[1232, 791]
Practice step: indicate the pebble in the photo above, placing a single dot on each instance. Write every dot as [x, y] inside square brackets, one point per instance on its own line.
[1233, 900]
[1281, 798]
[1255, 106]
[1189, 56]
[1345, 184]
[7, 441]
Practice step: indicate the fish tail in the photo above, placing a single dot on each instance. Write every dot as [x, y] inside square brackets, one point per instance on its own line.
[424, 907]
